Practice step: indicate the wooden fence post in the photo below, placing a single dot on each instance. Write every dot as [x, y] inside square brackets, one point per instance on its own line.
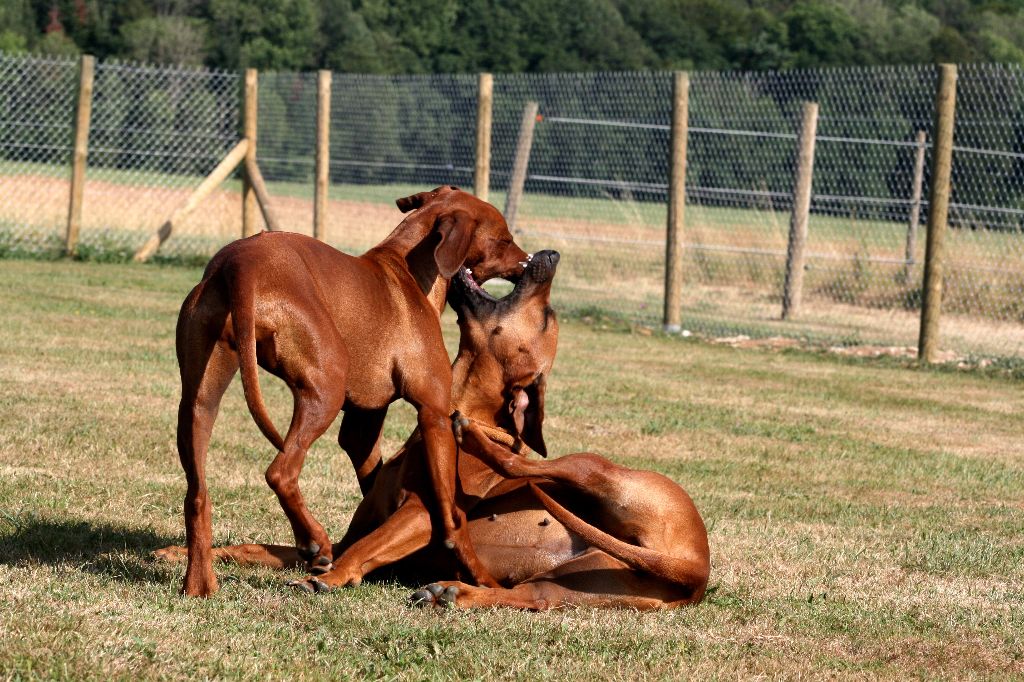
[323, 153]
[915, 197]
[80, 155]
[250, 108]
[484, 107]
[672, 316]
[938, 211]
[522, 161]
[793, 288]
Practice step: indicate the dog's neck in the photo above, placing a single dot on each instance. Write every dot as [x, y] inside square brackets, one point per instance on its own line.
[473, 380]
[411, 246]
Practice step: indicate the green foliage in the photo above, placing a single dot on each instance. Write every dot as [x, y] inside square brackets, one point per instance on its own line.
[265, 34]
[430, 36]
[166, 40]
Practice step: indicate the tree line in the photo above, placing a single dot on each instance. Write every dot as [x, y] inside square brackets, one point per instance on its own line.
[504, 36]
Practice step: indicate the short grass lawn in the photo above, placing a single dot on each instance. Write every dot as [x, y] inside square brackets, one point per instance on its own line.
[866, 519]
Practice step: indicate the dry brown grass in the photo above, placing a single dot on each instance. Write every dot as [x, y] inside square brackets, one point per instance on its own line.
[864, 518]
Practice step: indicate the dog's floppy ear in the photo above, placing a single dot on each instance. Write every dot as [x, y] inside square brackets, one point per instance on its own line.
[406, 204]
[456, 230]
[527, 408]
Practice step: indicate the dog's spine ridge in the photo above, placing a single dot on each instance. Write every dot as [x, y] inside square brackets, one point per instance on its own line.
[674, 569]
[243, 319]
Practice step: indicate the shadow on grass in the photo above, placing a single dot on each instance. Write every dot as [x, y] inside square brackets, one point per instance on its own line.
[119, 552]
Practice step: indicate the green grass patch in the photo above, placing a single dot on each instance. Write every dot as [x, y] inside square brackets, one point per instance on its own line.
[864, 516]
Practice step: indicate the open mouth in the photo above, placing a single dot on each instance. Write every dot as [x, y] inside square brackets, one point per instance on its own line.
[465, 277]
[538, 269]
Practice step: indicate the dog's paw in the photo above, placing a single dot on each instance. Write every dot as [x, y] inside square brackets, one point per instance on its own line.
[312, 585]
[459, 424]
[172, 554]
[435, 594]
[317, 562]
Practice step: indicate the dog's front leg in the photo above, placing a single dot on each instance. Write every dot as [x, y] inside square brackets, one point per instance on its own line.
[405, 532]
[441, 453]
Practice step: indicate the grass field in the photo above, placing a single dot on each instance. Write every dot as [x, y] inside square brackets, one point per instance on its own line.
[856, 289]
[865, 518]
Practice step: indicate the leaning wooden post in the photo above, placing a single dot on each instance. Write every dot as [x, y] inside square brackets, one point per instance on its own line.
[210, 183]
[522, 161]
[938, 211]
[915, 197]
[676, 202]
[793, 287]
[259, 188]
[80, 154]
[323, 153]
[484, 107]
[250, 108]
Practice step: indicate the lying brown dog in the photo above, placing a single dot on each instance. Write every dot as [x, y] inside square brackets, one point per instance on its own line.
[343, 333]
[632, 538]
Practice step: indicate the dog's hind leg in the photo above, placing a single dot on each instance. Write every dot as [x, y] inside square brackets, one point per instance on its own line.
[590, 579]
[319, 393]
[206, 371]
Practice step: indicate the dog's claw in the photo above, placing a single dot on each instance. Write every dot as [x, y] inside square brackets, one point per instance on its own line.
[421, 598]
[457, 426]
[323, 561]
[309, 552]
[320, 570]
[435, 594]
[320, 586]
[310, 585]
[300, 585]
[448, 597]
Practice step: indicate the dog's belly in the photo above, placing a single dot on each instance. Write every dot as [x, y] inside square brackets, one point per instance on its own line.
[517, 544]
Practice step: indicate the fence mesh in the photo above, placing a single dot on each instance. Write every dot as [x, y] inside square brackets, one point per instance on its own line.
[390, 136]
[155, 134]
[37, 100]
[596, 187]
[744, 139]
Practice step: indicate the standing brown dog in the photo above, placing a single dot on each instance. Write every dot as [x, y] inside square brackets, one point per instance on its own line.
[576, 530]
[343, 333]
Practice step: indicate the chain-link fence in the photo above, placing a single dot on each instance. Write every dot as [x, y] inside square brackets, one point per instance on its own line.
[154, 134]
[596, 186]
[37, 97]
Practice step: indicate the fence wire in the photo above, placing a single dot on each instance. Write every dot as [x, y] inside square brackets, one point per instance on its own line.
[37, 101]
[390, 136]
[155, 134]
[596, 187]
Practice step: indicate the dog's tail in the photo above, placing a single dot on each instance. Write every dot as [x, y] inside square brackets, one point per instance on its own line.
[243, 319]
[689, 572]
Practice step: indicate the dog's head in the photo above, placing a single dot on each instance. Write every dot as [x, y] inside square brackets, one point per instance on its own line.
[467, 233]
[506, 349]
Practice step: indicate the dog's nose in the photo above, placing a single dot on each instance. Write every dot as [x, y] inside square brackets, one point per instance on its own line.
[551, 258]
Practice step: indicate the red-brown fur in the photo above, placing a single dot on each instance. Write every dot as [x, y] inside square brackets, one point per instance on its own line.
[575, 530]
[343, 332]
